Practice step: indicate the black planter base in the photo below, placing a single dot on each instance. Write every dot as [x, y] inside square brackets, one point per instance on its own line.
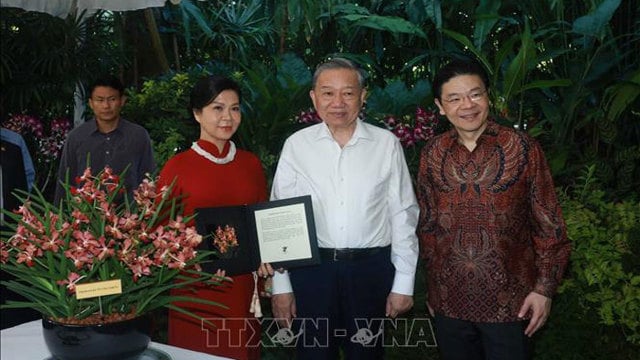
[124, 340]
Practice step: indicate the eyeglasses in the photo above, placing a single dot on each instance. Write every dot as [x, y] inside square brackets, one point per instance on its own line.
[475, 96]
[109, 100]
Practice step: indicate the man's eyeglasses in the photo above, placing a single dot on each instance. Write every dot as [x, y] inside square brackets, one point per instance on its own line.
[109, 100]
[475, 96]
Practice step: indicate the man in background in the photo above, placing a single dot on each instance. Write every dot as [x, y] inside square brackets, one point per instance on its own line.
[107, 139]
[17, 173]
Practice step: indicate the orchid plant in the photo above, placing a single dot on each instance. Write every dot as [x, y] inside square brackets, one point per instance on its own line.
[413, 131]
[225, 240]
[143, 244]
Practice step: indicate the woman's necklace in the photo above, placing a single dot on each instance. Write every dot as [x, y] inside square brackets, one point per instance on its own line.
[207, 155]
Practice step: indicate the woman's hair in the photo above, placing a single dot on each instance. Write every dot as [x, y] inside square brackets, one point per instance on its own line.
[208, 88]
[455, 68]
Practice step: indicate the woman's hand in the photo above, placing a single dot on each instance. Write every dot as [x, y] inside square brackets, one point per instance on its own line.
[265, 270]
[221, 275]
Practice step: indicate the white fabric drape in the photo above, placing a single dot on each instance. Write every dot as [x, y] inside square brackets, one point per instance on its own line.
[62, 8]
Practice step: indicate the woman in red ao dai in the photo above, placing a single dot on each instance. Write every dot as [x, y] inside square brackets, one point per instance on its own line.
[215, 173]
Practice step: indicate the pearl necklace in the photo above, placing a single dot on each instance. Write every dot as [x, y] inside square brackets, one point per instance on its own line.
[204, 153]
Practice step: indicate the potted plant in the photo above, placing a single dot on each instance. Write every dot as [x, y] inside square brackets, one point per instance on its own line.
[98, 258]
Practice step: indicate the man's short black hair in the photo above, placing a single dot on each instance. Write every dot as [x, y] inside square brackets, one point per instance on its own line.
[455, 68]
[108, 81]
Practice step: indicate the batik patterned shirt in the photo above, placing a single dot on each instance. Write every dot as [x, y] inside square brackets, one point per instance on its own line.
[491, 229]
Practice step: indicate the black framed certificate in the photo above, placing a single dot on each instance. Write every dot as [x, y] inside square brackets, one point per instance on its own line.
[279, 232]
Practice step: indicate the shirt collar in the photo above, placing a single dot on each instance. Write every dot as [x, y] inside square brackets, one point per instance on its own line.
[489, 133]
[361, 132]
[93, 126]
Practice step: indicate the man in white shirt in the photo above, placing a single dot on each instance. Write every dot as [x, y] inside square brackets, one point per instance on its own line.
[365, 214]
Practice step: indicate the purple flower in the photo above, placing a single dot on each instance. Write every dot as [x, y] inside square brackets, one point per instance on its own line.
[412, 131]
[308, 117]
[46, 144]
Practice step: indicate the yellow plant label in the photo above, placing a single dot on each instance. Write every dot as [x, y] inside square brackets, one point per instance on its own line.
[99, 288]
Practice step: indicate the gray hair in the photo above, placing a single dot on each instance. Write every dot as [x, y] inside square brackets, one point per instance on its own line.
[338, 63]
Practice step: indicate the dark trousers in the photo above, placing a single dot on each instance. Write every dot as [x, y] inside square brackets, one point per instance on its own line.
[341, 305]
[467, 340]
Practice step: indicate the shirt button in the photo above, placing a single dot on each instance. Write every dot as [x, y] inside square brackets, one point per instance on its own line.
[107, 152]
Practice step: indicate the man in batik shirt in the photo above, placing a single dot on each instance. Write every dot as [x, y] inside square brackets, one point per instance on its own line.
[491, 229]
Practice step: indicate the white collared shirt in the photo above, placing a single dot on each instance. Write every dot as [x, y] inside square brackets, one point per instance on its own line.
[362, 194]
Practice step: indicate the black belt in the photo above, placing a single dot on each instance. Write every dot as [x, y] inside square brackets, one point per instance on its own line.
[347, 254]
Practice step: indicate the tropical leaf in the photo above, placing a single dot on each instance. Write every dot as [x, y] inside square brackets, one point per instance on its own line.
[595, 22]
[517, 71]
[397, 99]
[189, 11]
[434, 11]
[486, 17]
[385, 23]
[544, 84]
[619, 96]
[469, 46]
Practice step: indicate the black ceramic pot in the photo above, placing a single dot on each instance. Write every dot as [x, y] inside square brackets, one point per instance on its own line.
[121, 340]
